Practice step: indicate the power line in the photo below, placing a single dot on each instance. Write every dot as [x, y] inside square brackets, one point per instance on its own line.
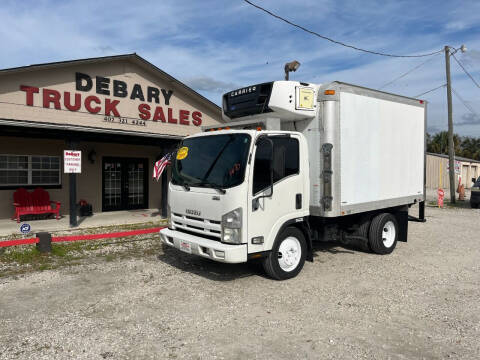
[466, 72]
[335, 41]
[429, 91]
[464, 102]
[405, 74]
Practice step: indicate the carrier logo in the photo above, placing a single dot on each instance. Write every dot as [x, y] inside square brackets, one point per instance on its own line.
[243, 91]
[193, 212]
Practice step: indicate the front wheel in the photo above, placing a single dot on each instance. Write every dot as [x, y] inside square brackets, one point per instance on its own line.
[288, 255]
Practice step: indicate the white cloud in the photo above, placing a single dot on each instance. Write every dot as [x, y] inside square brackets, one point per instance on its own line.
[205, 83]
[214, 45]
[457, 25]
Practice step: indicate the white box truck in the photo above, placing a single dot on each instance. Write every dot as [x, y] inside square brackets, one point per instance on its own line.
[297, 163]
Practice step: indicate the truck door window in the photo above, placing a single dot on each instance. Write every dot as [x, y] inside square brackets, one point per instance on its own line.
[285, 157]
[285, 161]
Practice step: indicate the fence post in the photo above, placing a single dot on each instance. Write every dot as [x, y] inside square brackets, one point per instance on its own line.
[44, 244]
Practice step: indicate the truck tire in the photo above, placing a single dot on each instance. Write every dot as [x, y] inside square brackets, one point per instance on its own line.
[383, 233]
[288, 255]
[359, 238]
[362, 231]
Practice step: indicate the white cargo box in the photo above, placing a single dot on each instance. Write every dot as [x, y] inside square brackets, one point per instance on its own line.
[375, 142]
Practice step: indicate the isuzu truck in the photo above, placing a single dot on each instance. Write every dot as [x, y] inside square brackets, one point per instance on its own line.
[297, 163]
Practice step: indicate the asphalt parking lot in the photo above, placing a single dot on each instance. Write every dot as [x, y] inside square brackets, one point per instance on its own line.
[422, 301]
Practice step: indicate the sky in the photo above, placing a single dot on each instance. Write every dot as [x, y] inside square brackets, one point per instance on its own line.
[216, 46]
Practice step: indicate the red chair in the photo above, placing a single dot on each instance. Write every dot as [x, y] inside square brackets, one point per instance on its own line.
[37, 202]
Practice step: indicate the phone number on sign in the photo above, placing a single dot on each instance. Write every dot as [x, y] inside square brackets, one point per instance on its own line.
[121, 120]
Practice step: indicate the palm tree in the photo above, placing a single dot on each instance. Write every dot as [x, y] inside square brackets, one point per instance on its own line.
[438, 144]
[470, 148]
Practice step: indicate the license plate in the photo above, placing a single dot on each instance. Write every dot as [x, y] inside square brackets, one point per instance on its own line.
[186, 246]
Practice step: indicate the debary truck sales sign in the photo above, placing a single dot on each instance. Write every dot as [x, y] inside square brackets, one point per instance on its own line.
[116, 90]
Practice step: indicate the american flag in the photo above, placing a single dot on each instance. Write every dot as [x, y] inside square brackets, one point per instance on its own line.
[161, 164]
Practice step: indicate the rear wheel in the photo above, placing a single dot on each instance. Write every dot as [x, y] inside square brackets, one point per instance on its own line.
[288, 254]
[358, 238]
[383, 233]
[363, 232]
[474, 205]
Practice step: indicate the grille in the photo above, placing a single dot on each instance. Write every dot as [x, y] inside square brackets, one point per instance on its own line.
[209, 228]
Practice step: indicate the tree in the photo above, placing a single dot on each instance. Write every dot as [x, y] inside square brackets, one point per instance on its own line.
[468, 147]
[438, 144]
[471, 148]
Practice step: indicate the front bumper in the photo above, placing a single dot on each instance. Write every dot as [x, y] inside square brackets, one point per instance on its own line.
[211, 249]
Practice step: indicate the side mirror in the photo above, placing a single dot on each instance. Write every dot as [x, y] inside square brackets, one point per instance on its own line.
[269, 191]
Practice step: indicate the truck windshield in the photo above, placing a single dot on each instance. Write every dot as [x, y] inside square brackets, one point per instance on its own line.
[212, 161]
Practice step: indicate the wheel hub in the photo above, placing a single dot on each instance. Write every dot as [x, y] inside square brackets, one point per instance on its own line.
[289, 253]
[388, 234]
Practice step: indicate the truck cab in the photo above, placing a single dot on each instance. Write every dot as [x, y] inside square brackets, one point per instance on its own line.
[232, 191]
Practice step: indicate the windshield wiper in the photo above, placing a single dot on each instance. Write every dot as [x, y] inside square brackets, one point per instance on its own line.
[212, 186]
[182, 184]
[230, 139]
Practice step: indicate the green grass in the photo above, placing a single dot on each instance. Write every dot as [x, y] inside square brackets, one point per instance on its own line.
[27, 256]
[110, 257]
[93, 230]
[30, 255]
[465, 204]
[17, 260]
[22, 259]
[459, 204]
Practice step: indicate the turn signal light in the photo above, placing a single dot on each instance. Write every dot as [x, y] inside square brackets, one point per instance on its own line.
[257, 240]
[329, 92]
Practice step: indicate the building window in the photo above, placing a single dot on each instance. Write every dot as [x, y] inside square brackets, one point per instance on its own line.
[29, 170]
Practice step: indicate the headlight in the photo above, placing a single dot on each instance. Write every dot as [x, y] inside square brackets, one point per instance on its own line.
[169, 218]
[232, 227]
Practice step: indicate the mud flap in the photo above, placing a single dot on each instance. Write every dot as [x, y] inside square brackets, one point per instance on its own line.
[402, 219]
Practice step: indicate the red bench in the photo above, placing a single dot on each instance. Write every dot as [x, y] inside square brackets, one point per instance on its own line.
[36, 202]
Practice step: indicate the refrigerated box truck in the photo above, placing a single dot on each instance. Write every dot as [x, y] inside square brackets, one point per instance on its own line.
[297, 163]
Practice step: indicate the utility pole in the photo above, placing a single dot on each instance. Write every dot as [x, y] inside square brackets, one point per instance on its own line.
[451, 151]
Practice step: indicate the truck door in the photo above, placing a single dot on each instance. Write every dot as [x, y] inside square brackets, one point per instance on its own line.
[268, 210]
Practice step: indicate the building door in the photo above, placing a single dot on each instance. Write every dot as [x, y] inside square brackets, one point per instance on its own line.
[464, 175]
[124, 184]
[474, 175]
